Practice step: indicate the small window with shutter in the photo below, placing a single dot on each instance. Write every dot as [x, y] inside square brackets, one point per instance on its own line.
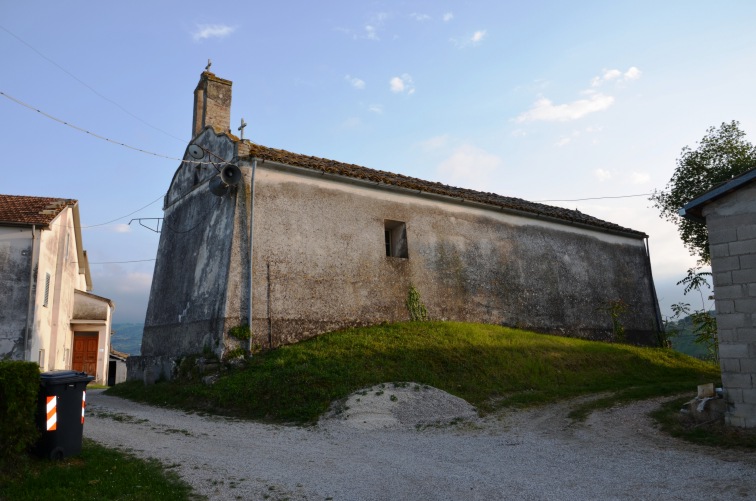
[47, 290]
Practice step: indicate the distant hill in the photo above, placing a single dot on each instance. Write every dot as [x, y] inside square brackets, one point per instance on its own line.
[127, 338]
[685, 342]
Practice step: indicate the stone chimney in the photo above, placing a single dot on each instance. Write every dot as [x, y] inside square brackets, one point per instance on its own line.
[212, 104]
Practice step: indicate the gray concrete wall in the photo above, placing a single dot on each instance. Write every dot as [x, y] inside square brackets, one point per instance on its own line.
[15, 268]
[320, 264]
[186, 312]
[731, 222]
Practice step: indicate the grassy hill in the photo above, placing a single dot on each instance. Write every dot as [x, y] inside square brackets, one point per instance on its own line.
[489, 366]
[127, 338]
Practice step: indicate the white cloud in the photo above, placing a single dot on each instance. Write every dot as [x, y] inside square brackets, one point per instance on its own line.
[632, 74]
[639, 177]
[370, 32]
[564, 141]
[351, 123]
[376, 108]
[420, 17]
[205, 31]
[544, 110]
[616, 75]
[469, 167]
[435, 143]
[478, 36]
[448, 16]
[471, 40]
[602, 175]
[122, 228]
[357, 83]
[402, 84]
[374, 23]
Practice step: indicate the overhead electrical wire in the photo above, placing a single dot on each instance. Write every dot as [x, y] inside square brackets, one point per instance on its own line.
[595, 198]
[87, 85]
[98, 136]
[123, 262]
[122, 217]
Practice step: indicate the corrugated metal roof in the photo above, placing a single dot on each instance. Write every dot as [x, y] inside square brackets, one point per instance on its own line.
[411, 183]
[25, 210]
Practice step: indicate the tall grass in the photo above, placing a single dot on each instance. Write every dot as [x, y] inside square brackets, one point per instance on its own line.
[489, 366]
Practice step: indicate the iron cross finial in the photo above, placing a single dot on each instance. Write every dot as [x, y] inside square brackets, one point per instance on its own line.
[209, 63]
[241, 127]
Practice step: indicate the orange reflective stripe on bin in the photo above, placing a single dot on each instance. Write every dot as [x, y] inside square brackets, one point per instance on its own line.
[52, 413]
[83, 404]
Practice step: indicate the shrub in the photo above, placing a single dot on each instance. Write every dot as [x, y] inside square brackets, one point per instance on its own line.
[19, 390]
[415, 306]
[240, 332]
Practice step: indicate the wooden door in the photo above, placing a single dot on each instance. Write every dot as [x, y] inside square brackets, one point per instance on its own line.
[85, 352]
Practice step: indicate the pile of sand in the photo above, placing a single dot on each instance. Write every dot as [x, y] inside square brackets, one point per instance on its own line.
[400, 405]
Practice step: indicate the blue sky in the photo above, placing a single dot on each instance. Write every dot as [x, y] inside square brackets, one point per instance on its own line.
[547, 101]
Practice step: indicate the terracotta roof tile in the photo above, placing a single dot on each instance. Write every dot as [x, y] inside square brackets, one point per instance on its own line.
[23, 210]
[411, 183]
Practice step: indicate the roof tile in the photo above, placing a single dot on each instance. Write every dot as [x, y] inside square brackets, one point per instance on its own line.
[25, 210]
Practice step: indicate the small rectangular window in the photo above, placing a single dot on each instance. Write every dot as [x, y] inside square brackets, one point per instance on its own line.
[41, 361]
[395, 235]
[68, 245]
[47, 290]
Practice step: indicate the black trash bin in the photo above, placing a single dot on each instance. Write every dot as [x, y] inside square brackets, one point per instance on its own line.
[60, 413]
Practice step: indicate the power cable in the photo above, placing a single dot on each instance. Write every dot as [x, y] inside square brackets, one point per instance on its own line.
[98, 136]
[122, 217]
[594, 198]
[87, 85]
[123, 262]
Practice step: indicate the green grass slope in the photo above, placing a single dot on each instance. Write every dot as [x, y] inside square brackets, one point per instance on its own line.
[489, 366]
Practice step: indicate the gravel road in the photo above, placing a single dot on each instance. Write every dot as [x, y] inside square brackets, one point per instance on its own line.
[385, 446]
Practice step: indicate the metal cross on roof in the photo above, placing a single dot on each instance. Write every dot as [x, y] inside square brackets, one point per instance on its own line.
[209, 63]
[241, 127]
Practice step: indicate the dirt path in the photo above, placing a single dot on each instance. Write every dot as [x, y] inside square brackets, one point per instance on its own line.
[386, 444]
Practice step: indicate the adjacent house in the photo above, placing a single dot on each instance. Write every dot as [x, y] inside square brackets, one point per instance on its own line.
[47, 314]
[295, 246]
[729, 212]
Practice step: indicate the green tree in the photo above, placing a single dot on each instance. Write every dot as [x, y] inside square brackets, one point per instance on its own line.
[722, 154]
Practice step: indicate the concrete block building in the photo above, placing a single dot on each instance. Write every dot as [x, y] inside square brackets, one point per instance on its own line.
[295, 246]
[729, 212]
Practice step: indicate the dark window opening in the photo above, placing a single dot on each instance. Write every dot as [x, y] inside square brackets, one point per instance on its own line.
[395, 236]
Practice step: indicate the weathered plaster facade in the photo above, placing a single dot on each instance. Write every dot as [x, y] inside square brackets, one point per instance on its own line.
[320, 261]
[730, 215]
[43, 273]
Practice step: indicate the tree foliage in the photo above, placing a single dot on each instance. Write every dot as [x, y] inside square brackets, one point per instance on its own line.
[722, 154]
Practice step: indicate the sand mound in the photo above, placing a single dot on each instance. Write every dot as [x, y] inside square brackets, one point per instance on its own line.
[400, 405]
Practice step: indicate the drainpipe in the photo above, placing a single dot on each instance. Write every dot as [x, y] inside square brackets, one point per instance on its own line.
[251, 228]
[30, 304]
